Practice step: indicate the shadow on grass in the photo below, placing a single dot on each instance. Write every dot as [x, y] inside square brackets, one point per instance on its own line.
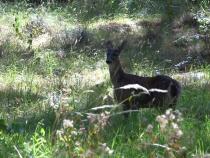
[11, 97]
[29, 124]
[21, 111]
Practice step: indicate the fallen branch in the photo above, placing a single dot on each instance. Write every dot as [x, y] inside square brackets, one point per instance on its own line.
[104, 107]
[118, 113]
[124, 112]
[159, 145]
[16, 149]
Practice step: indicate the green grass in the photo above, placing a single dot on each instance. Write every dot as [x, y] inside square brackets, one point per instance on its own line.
[32, 89]
[25, 108]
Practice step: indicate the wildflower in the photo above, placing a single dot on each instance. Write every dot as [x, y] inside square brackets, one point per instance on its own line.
[106, 149]
[178, 134]
[149, 129]
[88, 154]
[171, 117]
[92, 117]
[162, 120]
[74, 133]
[77, 143]
[54, 100]
[109, 151]
[68, 124]
[103, 145]
[178, 115]
[59, 133]
[174, 125]
[168, 112]
[103, 119]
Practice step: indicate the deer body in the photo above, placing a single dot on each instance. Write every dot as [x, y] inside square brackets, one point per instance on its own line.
[155, 99]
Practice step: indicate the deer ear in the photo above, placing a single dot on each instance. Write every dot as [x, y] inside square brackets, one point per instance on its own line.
[108, 45]
[120, 48]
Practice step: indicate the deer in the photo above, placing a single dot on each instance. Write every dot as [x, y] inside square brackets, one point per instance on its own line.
[163, 90]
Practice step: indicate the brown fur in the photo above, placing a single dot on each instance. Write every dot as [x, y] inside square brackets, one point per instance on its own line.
[120, 78]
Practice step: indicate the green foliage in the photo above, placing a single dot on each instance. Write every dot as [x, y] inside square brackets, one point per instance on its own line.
[46, 99]
[17, 26]
[203, 17]
[107, 8]
[38, 146]
[3, 125]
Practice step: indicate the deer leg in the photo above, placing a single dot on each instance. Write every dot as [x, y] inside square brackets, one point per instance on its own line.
[134, 107]
[126, 107]
[173, 104]
[134, 103]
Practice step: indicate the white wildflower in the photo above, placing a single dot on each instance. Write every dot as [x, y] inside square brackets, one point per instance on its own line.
[106, 149]
[77, 143]
[68, 123]
[162, 120]
[179, 133]
[149, 128]
[54, 100]
[174, 125]
[59, 133]
[92, 117]
[74, 133]
[109, 151]
[171, 117]
[168, 112]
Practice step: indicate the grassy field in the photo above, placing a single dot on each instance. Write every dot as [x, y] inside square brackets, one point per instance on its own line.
[47, 92]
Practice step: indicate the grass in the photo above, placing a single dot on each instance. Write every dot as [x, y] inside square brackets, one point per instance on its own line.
[25, 107]
[39, 93]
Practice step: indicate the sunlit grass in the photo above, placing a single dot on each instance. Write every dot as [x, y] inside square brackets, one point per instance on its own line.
[38, 93]
[124, 137]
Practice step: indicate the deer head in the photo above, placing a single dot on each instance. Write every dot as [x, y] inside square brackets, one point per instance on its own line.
[113, 53]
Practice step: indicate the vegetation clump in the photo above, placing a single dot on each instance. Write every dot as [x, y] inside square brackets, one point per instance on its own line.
[56, 97]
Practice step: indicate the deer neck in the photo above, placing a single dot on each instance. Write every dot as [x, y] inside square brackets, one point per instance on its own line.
[116, 72]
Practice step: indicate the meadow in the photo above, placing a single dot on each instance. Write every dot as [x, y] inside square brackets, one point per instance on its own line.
[53, 75]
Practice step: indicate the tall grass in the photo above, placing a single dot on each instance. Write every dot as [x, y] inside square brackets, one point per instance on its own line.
[46, 100]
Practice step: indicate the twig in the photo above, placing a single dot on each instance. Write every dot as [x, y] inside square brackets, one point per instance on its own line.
[118, 113]
[104, 107]
[159, 145]
[17, 151]
[124, 112]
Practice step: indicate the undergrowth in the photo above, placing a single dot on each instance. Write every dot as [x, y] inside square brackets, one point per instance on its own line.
[47, 94]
